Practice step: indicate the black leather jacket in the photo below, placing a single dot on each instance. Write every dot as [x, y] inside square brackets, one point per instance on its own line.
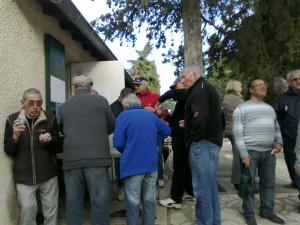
[34, 161]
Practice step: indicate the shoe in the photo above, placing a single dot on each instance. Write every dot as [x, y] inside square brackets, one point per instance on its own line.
[274, 218]
[39, 218]
[161, 183]
[187, 197]
[298, 208]
[170, 203]
[120, 194]
[290, 185]
[255, 189]
[250, 221]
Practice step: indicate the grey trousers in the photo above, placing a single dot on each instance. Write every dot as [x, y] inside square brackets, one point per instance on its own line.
[26, 195]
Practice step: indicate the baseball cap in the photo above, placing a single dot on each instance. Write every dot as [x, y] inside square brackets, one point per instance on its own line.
[178, 79]
[140, 80]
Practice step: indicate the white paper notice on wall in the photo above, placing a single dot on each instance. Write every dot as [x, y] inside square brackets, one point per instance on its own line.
[57, 90]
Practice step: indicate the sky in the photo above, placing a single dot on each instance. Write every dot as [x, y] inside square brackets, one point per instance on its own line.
[93, 9]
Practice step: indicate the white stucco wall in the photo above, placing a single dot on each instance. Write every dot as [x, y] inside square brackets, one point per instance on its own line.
[22, 58]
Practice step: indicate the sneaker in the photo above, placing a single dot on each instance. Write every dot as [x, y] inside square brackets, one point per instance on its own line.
[187, 197]
[250, 221]
[161, 183]
[298, 208]
[120, 194]
[170, 203]
[274, 218]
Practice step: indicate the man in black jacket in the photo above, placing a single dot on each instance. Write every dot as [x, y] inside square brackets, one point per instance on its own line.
[31, 138]
[287, 108]
[182, 178]
[117, 108]
[203, 136]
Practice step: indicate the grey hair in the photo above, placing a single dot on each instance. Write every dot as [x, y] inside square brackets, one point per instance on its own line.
[83, 86]
[125, 91]
[280, 82]
[129, 100]
[289, 74]
[194, 69]
[30, 91]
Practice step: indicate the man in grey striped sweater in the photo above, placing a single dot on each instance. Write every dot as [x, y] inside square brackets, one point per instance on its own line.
[257, 136]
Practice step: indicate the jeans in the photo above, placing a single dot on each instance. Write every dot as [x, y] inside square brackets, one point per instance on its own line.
[117, 171]
[182, 177]
[140, 188]
[26, 195]
[290, 159]
[265, 163]
[97, 181]
[160, 161]
[204, 160]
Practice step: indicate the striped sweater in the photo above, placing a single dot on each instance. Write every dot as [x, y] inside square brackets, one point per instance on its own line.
[255, 127]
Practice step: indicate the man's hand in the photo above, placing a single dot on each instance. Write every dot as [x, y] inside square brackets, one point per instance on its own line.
[297, 172]
[181, 123]
[276, 149]
[18, 127]
[246, 160]
[45, 138]
[149, 108]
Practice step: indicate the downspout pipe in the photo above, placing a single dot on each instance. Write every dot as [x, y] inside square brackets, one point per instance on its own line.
[74, 16]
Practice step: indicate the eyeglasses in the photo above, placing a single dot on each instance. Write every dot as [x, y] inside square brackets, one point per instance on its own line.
[36, 103]
[259, 85]
[296, 79]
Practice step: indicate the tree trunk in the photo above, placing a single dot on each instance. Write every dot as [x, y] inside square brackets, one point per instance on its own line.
[192, 34]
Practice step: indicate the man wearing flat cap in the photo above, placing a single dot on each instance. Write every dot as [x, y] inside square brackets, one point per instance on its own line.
[86, 122]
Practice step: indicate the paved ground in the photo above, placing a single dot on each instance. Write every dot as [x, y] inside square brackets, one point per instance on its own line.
[285, 203]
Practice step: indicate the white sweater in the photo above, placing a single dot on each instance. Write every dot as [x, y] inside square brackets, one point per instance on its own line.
[255, 127]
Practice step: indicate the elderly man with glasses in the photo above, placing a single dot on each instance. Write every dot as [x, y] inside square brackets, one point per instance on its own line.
[288, 112]
[31, 138]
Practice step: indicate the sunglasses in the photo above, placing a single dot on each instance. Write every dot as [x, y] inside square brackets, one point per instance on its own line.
[36, 103]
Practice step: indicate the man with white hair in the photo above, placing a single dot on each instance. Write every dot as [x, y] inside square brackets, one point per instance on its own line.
[287, 108]
[148, 102]
[203, 136]
[136, 136]
[86, 122]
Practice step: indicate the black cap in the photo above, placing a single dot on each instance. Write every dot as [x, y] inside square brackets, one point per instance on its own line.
[178, 79]
[140, 80]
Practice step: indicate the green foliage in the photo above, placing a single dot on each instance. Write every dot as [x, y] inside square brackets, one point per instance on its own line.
[246, 38]
[146, 68]
[130, 15]
[261, 39]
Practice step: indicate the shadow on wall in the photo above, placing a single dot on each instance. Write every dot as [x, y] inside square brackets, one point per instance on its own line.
[12, 204]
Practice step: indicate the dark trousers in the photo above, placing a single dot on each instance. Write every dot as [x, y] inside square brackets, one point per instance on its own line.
[182, 177]
[290, 159]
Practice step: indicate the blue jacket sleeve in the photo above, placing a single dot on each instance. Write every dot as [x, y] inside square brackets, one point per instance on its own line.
[163, 130]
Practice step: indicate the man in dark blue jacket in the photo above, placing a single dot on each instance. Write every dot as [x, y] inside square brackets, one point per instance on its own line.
[136, 135]
[287, 109]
